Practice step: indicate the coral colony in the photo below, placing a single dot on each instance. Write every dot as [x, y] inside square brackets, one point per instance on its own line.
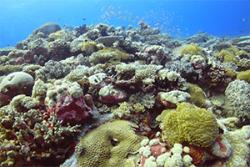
[103, 96]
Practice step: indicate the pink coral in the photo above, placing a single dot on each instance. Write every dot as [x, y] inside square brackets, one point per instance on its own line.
[110, 95]
[71, 110]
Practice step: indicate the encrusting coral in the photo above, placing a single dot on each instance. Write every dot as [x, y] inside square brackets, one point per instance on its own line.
[189, 124]
[108, 145]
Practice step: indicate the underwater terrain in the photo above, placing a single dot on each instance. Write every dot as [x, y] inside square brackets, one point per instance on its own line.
[105, 96]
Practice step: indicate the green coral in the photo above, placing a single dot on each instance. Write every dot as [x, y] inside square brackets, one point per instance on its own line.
[108, 55]
[227, 56]
[4, 59]
[198, 96]
[109, 145]
[191, 49]
[124, 109]
[231, 55]
[189, 124]
[244, 75]
[39, 90]
[88, 47]
[7, 69]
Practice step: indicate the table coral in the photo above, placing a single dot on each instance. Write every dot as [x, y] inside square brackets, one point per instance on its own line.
[108, 145]
[189, 124]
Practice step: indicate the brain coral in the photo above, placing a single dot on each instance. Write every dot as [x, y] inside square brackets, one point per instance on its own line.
[238, 99]
[189, 124]
[108, 146]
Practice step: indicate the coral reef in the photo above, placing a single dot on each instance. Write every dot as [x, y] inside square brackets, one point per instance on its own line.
[104, 89]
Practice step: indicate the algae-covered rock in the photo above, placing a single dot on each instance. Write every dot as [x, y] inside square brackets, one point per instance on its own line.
[108, 146]
[189, 124]
[108, 55]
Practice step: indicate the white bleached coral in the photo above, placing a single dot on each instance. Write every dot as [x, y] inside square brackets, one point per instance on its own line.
[174, 96]
[240, 140]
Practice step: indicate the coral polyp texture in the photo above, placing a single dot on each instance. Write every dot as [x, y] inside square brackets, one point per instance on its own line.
[108, 145]
[104, 96]
[189, 124]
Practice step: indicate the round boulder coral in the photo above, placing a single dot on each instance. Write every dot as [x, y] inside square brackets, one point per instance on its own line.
[238, 99]
[108, 146]
[189, 124]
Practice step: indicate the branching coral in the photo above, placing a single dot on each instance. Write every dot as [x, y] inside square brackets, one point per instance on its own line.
[66, 100]
[33, 136]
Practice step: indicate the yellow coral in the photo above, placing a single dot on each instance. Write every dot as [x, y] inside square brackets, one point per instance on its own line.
[108, 55]
[230, 55]
[108, 146]
[189, 124]
[191, 49]
[230, 73]
[244, 75]
[7, 69]
[198, 96]
[88, 47]
[227, 56]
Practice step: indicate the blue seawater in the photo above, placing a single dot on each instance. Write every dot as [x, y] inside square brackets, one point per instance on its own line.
[179, 18]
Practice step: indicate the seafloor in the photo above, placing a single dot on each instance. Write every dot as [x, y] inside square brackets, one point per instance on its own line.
[103, 96]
